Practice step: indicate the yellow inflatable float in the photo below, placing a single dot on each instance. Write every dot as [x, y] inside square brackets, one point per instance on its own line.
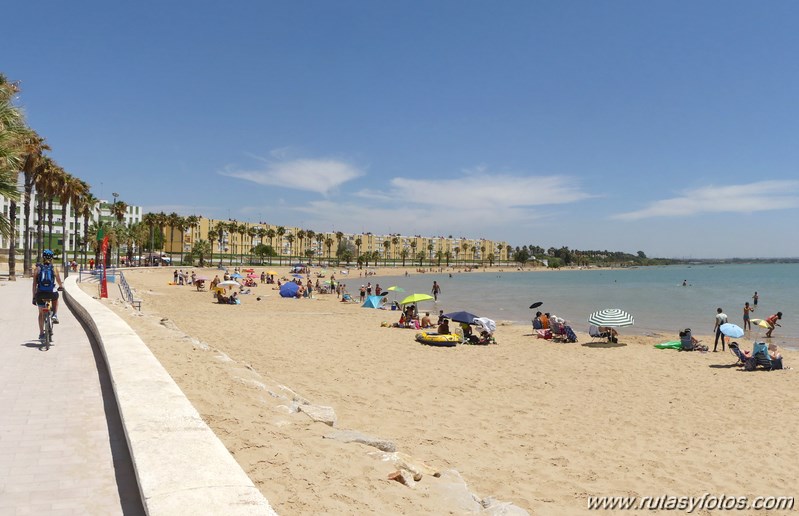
[437, 339]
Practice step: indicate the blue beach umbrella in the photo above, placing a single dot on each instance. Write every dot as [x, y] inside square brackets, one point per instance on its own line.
[373, 302]
[462, 317]
[732, 330]
[289, 289]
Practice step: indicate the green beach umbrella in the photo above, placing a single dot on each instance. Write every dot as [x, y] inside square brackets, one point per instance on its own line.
[416, 298]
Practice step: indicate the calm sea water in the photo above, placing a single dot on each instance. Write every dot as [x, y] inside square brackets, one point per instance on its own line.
[653, 295]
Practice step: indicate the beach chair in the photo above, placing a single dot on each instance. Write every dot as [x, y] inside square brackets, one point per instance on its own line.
[594, 332]
[739, 353]
[761, 358]
[558, 330]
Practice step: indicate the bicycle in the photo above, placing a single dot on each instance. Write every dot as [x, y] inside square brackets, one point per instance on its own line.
[48, 323]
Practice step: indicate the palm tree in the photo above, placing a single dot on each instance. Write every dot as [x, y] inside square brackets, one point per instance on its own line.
[457, 252]
[162, 220]
[118, 210]
[191, 223]
[90, 204]
[358, 242]
[290, 240]
[200, 249]
[80, 190]
[34, 147]
[280, 232]
[300, 242]
[252, 232]
[328, 244]
[173, 221]
[339, 236]
[482, 253]
[320, 238]
[150, 220]
[395, 240]
[404, 254]
[430, 248]
[13, 131]
[387, 246]
[241, 229]
[270, 234]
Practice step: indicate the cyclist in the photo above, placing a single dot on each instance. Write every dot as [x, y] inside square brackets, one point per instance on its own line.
[45, 276]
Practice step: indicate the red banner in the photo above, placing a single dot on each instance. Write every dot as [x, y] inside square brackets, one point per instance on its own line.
[104, 281]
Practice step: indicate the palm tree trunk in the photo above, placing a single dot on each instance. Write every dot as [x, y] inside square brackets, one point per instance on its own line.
[26, 209]
[12, 241]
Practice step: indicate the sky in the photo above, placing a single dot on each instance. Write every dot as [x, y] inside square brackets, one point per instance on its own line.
[670, 128]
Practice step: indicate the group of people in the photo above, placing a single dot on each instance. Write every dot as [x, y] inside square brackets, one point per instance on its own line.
[721, 318]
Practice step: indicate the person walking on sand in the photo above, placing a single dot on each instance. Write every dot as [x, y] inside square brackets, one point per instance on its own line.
[436, 290]
[747, 310]
[721, 318]
[772, 321]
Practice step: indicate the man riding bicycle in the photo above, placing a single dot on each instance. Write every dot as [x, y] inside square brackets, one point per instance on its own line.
[45, 277]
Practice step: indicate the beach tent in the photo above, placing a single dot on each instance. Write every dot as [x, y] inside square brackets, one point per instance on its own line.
[289, 289]
[373, 302]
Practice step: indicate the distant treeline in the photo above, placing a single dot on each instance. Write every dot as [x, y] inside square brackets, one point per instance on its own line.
[565, 257]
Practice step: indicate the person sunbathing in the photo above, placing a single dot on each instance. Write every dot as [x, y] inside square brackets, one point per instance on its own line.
[611, 333]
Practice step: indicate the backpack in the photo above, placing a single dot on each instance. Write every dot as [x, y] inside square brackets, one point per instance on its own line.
[46, 279]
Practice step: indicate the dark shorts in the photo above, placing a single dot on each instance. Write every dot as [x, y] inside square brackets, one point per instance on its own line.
[41, 297]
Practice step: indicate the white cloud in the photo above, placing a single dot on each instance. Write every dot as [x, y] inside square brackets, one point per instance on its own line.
[481, 189]
[746, 198]
[314, 175]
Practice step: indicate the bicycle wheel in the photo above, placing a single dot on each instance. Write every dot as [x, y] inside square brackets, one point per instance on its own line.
[48, 330]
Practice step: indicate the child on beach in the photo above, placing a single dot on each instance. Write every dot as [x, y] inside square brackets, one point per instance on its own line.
[747, 310]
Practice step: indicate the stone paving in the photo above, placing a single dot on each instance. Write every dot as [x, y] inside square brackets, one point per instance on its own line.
[62, 447]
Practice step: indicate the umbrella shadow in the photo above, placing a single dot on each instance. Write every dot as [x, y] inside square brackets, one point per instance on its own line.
[604, 344]
[723, 366]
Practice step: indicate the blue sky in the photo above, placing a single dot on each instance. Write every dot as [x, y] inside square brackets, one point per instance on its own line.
[666, 127]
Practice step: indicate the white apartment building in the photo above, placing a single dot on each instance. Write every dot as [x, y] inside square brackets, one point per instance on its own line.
[103, 212]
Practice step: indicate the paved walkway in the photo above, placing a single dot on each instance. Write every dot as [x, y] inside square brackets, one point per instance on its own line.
[62, 448]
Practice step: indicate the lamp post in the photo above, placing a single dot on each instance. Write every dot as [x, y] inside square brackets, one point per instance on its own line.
[113, 216]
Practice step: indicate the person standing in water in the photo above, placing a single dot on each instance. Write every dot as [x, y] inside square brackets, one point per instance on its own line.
[747, 310]
[436, 290]
[754, 301]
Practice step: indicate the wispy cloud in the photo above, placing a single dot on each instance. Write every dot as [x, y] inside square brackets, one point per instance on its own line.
[483, 189]
[313, 175]
[746, 198]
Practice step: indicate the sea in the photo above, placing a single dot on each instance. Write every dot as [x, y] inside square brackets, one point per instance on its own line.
[655, 296]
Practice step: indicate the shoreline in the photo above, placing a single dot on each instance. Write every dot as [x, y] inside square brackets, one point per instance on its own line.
[511, 419]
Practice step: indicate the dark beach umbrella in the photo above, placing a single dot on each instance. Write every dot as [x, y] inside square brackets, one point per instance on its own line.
[536, 304]
[462, 317]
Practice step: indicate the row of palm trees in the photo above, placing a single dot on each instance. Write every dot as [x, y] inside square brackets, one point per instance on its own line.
[22, 151]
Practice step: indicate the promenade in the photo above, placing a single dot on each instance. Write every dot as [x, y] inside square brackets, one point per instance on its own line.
[62, 447]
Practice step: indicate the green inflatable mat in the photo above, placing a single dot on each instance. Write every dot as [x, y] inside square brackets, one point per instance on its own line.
[674, 344]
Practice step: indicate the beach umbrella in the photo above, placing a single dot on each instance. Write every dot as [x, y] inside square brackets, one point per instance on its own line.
[236, 275]
[297, 276]
[760, 322]
[373, 302]
[289, 289]
[536, 304]
[228, 284]
[271, 273]
[611, 317]
[416, 298]
[395, 288]
[462, 317]
[201, 278]
[731, 330]
[486, 324]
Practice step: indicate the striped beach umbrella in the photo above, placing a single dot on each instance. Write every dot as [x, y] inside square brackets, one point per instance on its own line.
[611, 317]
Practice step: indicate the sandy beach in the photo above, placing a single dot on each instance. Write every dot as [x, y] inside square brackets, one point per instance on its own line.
[538, 424]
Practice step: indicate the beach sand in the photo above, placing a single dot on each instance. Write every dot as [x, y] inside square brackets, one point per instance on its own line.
[541, 425]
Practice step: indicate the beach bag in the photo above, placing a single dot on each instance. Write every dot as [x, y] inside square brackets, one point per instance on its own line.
[46, 279]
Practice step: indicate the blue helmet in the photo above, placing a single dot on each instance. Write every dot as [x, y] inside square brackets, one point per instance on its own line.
[47, 253]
